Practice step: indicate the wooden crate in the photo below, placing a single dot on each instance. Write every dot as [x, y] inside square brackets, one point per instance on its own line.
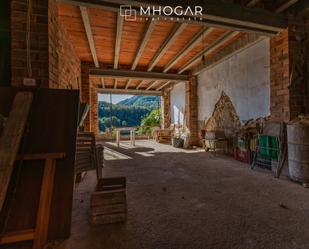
[108, 202]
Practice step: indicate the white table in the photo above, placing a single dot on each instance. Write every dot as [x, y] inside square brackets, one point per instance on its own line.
[132, 134]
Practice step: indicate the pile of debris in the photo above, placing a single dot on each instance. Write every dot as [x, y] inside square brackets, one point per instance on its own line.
[253, 126]
[301, 119]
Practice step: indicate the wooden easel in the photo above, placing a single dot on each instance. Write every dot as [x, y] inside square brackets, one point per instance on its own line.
[39, 234]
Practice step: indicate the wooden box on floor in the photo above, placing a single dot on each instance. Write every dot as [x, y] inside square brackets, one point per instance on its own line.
[108, 202]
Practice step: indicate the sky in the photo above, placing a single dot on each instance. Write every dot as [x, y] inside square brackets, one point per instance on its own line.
[116, 98]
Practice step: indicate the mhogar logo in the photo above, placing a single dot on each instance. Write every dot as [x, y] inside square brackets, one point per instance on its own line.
[128, 12]
[155, 12]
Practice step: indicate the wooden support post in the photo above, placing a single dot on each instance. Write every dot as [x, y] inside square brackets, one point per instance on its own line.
[118, 138]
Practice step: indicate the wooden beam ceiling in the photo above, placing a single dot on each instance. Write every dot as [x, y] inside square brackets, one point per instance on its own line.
[86, 22]
[213, 15]
[201, 68]
[195, 40]
[217, 14]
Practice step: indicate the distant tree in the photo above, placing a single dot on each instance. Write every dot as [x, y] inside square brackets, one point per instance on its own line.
[153, 119]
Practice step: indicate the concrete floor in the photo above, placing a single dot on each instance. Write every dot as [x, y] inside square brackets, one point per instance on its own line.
[192, 200]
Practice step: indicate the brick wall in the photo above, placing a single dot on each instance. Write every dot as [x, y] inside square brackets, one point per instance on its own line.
[279, 77]
[53, 60]
[288, 54]
[85, 91]
[39, 42]
[166, 110]
[64, 64]
[94, 109]
[89, 95]
[191, 110]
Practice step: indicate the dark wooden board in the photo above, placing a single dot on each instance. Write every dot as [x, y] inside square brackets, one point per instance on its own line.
[53, 128]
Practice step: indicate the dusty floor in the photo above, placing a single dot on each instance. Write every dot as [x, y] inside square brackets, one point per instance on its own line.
[193, 200]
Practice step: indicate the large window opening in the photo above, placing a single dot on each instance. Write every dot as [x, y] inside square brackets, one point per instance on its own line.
[140, 112]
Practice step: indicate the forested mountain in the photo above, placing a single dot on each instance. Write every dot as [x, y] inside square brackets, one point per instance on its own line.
[128, 112]
[146, 101]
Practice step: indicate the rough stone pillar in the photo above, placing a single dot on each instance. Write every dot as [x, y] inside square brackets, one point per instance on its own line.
[288, 84]
[166, 110]
[85, 93]
[191, 105]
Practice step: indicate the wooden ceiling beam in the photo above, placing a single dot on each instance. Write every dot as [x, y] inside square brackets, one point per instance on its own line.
[164, 85]
[118, 40]
[102, 82]
[141, 75]
[216, 14]
[152, 84]
[129, 91]
[87, 26]
[139, 85]
[198, 38]
[177, 30]
[148, 31]
[215, 45]
[128, 84]
[286, 5]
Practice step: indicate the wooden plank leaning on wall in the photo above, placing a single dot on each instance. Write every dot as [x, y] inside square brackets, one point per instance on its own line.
[11, 137]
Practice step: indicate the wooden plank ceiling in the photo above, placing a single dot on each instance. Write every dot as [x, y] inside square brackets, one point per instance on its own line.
[160, 46]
